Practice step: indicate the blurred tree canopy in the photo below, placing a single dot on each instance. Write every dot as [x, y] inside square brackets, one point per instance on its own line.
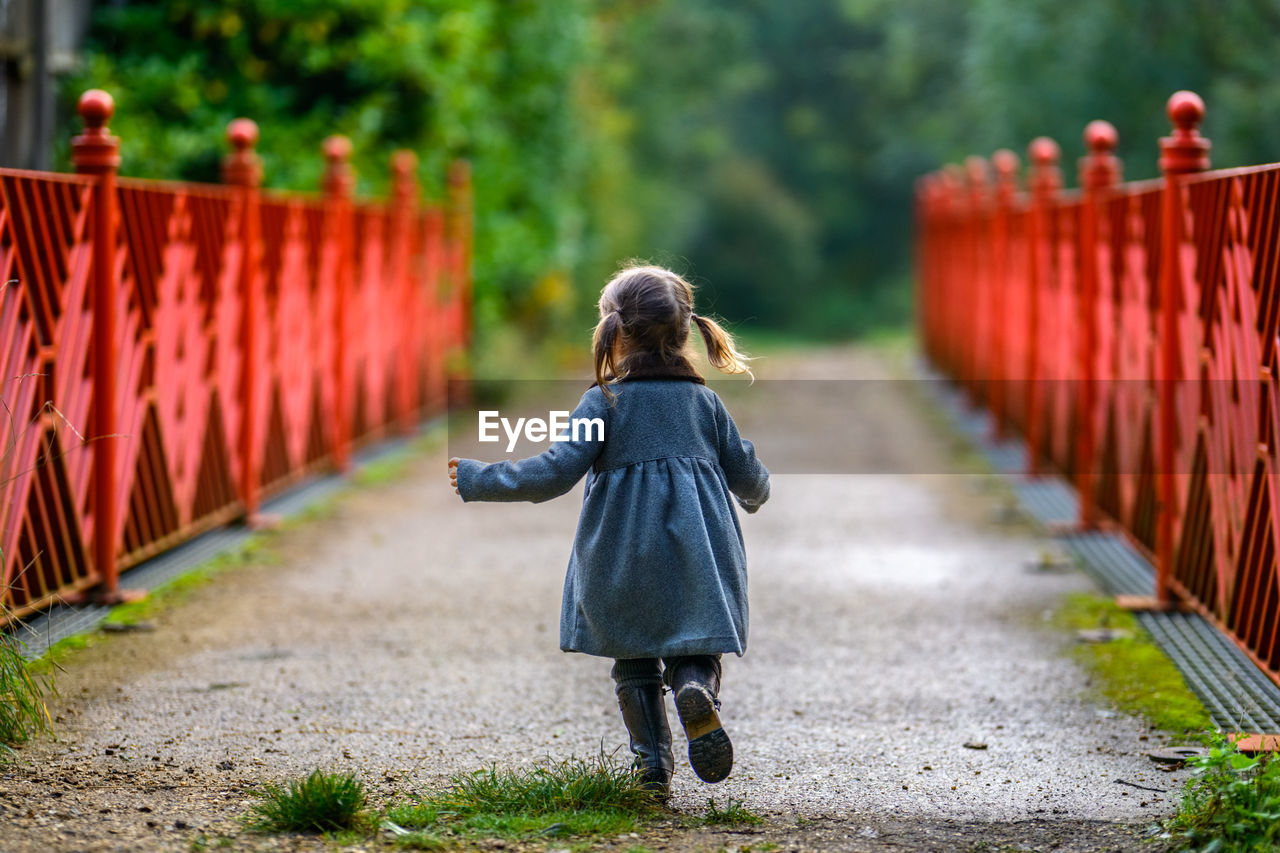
[767, 149]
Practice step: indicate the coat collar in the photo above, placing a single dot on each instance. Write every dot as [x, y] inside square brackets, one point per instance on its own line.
[650, 367]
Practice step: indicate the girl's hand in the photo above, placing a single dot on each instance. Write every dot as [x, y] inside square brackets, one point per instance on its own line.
[453, 475]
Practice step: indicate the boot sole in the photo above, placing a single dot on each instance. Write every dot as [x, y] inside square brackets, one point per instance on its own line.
[710, 751]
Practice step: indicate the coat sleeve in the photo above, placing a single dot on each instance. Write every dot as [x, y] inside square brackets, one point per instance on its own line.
[545, 476]
[747, 477]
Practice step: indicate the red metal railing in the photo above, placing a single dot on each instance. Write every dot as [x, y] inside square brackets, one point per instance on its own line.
[1129, 332]
[245, 339]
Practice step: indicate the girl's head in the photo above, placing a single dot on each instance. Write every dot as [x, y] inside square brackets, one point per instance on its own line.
[645, 314]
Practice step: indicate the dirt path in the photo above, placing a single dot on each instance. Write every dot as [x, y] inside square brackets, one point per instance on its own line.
[408, 637]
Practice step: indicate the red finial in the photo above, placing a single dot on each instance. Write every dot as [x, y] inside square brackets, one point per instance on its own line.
[1100, 137]
[1006, 165]
[95, 151]
[1044, 153]
[1185, 109]
[404, 167]
[337, 148]
[459, 173]
[1185, 150]
[404, 162]
[339, 179]
[1099, 168]
[242, 167]
[242, 133]
[1005, 162]
[96, 108]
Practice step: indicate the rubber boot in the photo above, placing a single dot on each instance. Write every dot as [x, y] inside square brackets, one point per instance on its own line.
[696, 683]
[645, 715]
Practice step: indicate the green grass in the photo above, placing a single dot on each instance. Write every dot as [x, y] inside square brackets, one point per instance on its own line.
[733, 814]
[574, 798]
[1231, 803]
[1132, 671]
[23, 712]
[322, 802]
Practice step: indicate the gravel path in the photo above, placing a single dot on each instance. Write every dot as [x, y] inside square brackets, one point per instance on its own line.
[408, 637]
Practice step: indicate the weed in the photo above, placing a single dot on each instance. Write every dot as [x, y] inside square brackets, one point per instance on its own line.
[23, 712]
[1132, 671]
[1231, 803]
[567, 799]
[733, 814]
[322, 802]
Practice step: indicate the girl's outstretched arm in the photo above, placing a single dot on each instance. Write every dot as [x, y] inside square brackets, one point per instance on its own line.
[746, 475]
[538, 478]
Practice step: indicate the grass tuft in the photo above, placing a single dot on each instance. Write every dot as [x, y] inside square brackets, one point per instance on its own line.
[1132, 671]
[573, 798]
[322, 802]
[733, 814]
[23, 712]
[1231, 803]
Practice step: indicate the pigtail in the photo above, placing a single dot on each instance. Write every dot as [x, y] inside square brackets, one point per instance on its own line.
[603, 343]
[721, 351]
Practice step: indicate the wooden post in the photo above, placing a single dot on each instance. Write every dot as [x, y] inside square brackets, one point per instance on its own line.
[1184, 152]
[1099, 172]
[243, 170]
[1006, 165]
[1045, 182]
[96, 152]
[339, 188]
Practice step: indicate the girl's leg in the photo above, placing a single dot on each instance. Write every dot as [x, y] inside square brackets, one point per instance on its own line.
[695, 680]
[639, 689]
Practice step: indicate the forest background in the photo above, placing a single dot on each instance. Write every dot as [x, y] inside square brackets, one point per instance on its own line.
[765, 149]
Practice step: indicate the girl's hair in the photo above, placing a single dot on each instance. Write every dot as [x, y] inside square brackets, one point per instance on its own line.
[645, 312]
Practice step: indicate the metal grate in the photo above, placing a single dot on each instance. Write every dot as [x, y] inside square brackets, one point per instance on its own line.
[1238, 696]
[1112, 562]
[1049, 500]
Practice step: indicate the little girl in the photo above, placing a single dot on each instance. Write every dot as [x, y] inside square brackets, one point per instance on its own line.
[658, 577]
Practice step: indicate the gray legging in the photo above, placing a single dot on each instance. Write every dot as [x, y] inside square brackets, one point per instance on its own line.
[636, 672]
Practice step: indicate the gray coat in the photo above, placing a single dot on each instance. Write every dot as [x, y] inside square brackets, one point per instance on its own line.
[658, 567]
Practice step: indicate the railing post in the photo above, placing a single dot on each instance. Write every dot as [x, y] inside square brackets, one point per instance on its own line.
[459, 238]
[956, 223]
[1099, 172]
[1184, 152]
[339, 188]
[96, 152]
[1006, 165]
[1045, 182]
[404, 165]
[977, 181]
[243, 170]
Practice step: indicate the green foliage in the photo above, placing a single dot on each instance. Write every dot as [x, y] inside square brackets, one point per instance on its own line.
[767, 150]
[23, 712]
[1131, 670]
[571, 798]
[1231, 803]
[322, 802]
[489, 80]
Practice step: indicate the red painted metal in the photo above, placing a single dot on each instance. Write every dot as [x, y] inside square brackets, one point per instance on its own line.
[257, 335]
[1146, 317]
[1099, 171]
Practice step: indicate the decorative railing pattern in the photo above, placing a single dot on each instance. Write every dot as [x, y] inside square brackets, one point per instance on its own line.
[1128, 332]
[245, 338]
